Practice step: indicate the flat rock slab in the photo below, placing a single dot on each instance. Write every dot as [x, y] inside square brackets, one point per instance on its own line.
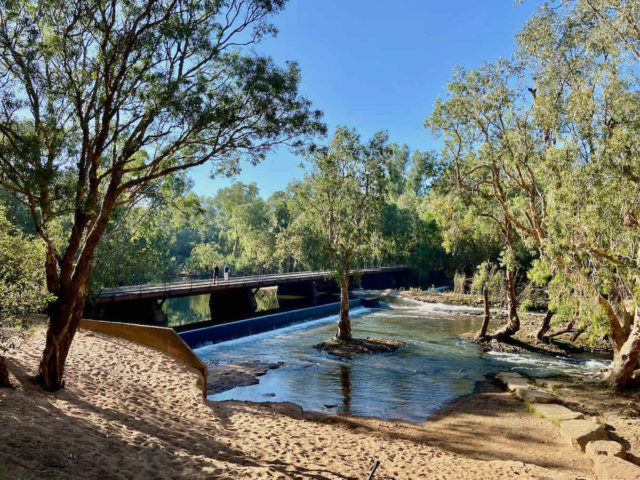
[607, 448]
[506, 377]
[554, 411]
[580, 432]
[223, 377]
[615, 468]
[527, 394]
[512, 380]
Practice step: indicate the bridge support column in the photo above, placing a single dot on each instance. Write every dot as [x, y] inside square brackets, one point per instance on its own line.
[144, 311]
[297, 294]
[299, 289]
[378, 281]
[231, 304]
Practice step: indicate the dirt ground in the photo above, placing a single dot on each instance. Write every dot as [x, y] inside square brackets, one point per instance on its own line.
[132, 412]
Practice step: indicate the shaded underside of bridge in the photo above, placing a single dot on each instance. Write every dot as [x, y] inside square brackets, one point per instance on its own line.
[235, 299]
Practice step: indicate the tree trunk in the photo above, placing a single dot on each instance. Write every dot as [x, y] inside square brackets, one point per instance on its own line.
[64, 318]
[546, 325]
[4, 373]
[625, 358]
[485, 320]
[344, 324]
[513, 324]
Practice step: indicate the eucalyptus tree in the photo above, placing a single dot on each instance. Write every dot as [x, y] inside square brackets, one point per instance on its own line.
[489, 148]
[583, 58]
[103, 99]
[347, 186]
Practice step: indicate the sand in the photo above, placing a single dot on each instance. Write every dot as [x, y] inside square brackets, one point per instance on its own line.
[132, 412]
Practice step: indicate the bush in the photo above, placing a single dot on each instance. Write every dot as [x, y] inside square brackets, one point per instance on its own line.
[22, 281]
[487, 273]
[459, 281]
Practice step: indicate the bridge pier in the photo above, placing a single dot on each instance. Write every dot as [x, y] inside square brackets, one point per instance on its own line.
[231, 304]
[145, 311]
[297, 294]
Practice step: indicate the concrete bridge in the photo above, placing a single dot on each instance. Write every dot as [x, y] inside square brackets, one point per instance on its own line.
[235, 298]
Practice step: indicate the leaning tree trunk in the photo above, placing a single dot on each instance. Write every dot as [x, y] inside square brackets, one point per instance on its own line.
[485, 320]
[513, 325]
[4, 373]
[625, 357]
[65, 314]
[545, 326]
[344, 324]
[64, 318]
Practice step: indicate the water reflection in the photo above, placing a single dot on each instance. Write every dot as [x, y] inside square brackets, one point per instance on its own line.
[196, 310]
[345, 381]
[434, 368]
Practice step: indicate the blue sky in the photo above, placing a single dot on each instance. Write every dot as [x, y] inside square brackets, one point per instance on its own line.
[374, 64]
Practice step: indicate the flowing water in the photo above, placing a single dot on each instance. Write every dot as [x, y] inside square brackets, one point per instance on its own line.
[434, 368]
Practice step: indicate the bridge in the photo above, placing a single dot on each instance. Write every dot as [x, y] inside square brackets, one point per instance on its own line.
[233, 298]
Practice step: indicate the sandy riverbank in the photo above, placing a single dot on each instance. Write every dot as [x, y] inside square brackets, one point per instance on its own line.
[132, 412]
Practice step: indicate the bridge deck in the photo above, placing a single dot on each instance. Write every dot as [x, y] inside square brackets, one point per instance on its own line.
[200, 287]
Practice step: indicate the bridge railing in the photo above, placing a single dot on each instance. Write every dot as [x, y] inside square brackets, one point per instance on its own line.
[191, 283]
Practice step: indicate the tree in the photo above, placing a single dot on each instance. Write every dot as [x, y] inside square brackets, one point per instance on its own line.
[486, 149]
[584, 58]
[102, 100]
[346, 194]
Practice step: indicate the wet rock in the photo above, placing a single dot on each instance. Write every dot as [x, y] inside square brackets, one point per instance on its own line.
[607, 448]
[531, 395]
[580, 432]
[553, 411]
[223, 377]
[330, 405]
[286, 408]
[359, 346]
[615, 468]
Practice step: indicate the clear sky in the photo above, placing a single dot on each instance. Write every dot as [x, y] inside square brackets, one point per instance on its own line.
[377, 64]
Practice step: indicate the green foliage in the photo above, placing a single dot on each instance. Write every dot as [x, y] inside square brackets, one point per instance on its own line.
[347, 186]
[487, 274]
[102, 116]
[22, 284]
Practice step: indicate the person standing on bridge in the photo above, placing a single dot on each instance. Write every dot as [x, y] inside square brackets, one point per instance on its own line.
[226, 273]
[216, 274]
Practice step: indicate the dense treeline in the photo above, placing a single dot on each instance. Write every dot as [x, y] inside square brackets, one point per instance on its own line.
[188, 235]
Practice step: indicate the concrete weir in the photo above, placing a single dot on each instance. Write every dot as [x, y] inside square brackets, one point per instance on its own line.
[229, 331]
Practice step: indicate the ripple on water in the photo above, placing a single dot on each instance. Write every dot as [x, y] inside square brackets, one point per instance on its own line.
[433, 369]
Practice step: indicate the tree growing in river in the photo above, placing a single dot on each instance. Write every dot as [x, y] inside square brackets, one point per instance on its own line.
[102, 100]
[347, 186]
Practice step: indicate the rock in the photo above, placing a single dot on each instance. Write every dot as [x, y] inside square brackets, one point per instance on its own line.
[331, 405]
[512, 380]
[269, 394]
[528, 394]
[615, 468]
[553, 411]
[286, 408]
[607, 448]
[222, 377]
[504, 376]
[580, 432]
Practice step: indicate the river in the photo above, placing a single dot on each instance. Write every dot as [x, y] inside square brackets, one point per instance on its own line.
[434, 368]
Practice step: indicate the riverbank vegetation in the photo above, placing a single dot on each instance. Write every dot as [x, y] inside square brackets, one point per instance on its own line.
[534, 187]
